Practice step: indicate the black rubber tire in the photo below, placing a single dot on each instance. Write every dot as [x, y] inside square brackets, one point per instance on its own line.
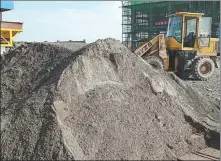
[155, 62]
[203, 68]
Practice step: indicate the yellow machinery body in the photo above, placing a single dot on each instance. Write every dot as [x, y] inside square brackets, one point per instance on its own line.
[188, 46]
[173, 44]
[8, 32]
[211, 50]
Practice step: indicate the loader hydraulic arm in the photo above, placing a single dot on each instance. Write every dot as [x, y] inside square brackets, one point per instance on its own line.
[155, 47]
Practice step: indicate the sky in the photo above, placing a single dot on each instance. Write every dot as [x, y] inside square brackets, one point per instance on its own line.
[67, 20]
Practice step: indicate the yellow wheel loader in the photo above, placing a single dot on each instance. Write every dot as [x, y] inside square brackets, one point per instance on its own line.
[187, 47]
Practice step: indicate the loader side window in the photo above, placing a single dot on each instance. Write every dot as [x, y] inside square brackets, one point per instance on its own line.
[205, 26]
[204, 33]
[175, 28]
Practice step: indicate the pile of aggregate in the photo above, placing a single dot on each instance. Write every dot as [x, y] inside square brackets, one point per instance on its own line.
[209, 88]
[99, 102]
[72, 45]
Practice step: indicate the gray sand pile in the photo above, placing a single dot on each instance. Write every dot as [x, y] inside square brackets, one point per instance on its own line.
[210, 88]
[69, 45]
[100, 102]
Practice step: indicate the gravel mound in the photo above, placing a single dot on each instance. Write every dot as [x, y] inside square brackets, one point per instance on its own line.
[210, 88]
[100, 102]
[74, 46]
[71, 45]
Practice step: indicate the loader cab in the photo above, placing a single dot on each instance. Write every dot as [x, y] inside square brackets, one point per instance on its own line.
[188, 31]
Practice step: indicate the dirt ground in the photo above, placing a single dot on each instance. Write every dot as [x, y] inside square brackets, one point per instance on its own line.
[98, 102]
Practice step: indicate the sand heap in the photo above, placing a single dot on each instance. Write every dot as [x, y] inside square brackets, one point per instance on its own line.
[100, 102]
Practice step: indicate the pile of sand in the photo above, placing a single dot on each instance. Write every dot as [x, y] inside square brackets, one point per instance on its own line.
[100, 102]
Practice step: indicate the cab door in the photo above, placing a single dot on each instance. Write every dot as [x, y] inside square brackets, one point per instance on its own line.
[189, 32]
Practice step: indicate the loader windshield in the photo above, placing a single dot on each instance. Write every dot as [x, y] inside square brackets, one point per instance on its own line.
[175, 28]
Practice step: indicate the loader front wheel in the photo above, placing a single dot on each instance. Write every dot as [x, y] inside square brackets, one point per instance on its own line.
[203, 68]
[155, 62]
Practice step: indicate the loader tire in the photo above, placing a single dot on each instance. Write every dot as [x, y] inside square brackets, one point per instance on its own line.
[203, 68]
[155, 62]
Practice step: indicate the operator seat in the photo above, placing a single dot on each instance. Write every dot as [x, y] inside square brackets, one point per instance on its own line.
[190, 40]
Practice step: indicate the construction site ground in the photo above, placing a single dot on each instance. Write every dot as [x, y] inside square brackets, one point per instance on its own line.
[100, 101]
